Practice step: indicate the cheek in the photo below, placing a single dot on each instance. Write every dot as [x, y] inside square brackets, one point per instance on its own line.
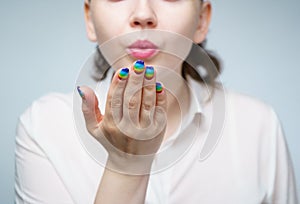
[103, 31]
[108, 25]
[183, 26]
[183, 21]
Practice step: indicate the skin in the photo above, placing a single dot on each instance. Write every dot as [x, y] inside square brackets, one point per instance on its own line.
[125, 103]
[145, 14]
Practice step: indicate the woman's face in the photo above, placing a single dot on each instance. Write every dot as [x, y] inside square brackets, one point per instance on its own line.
[107, 19]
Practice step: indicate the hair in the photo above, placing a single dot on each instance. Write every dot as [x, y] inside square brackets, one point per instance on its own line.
[188, 69]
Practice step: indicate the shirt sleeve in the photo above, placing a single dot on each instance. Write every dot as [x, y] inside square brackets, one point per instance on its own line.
[281, 184]
[36, 180]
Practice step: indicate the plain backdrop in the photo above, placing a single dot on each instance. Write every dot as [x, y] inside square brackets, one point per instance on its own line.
[43, 45]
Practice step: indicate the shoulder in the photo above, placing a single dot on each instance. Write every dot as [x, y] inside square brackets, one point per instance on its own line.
[52, 103]
[248, 105]
[48, 109]
[251, 114]
[53, 99]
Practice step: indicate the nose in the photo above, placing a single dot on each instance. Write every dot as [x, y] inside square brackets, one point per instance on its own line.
[143, 15]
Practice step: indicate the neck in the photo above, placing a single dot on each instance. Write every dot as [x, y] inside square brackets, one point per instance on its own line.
[178, 97]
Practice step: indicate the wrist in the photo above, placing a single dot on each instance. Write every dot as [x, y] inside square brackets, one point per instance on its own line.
[129, 164]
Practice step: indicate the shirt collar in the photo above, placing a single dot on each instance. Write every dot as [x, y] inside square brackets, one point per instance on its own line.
[195, 110]
[196, 90]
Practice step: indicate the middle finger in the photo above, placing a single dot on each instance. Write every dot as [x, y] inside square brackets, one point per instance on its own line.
[133, 92]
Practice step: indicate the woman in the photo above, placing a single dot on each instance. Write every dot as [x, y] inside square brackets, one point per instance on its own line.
[250, 163]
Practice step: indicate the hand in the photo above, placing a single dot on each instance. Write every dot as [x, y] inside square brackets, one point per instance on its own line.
[134, 123]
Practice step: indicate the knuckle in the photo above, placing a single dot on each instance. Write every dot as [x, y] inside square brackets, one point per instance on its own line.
[135, 81]
[116, 103]
[89, 112]
[109, 102]
[159, 110]
[85, 110]
[109, 97]
[133, 103]
[147, 106]
[149, 88]
[160, 116]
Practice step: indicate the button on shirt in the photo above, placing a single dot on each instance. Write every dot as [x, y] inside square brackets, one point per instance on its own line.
[247, 163]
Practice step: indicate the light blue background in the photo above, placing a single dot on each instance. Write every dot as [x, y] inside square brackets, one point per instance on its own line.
[43, 45]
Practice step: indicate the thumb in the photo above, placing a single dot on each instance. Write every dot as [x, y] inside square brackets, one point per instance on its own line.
[90, 109]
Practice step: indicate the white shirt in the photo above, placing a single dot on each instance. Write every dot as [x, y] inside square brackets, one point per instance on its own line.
[248, 164]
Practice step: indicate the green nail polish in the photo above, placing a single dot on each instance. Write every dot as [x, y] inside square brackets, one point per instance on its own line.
[123, 74]
[149, 73]
[139, 66]
[159, 87]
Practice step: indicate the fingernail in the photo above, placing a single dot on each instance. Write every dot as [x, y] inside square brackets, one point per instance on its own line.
[123, 74]
[81, 93]
[139, 66]
[159, 87]
[149, 73]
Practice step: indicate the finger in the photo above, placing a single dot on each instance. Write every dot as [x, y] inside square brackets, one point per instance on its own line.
[114, 102]
[90, 109]
[161, 105]
[133, 92]
[148, 96]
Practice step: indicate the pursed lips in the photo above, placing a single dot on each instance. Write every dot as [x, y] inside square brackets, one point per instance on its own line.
[142, 49]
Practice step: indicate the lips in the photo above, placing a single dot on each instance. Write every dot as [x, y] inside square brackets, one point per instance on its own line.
[142, 49]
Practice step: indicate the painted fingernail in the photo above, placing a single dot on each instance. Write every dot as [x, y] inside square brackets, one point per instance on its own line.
[149, 73]
[159, 87]
[81, 93]
[123, 74]
[139, 66]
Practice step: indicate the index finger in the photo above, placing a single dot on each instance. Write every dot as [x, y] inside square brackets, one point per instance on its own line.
[114, 102]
